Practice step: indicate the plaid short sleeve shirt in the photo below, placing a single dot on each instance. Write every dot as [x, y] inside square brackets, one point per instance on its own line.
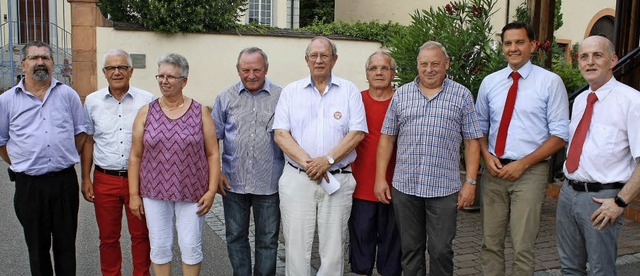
[429, 134]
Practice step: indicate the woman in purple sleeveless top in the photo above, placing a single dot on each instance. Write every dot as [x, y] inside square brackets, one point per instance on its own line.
[173, 168]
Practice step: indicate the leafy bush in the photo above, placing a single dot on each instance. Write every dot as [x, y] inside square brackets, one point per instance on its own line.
[464, 28]
[371, 30]
[175, 16]
[566, 69]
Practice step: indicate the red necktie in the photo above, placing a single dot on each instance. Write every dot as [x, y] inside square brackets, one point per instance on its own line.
[575, 149]
[506, 115]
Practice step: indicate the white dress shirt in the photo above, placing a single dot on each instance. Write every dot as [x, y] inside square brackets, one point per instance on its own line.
[612, 146]
[110, 122]
[541, 109]
[318, 123]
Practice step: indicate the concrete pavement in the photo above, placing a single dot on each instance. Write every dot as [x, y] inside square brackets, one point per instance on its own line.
[14, 259]
[13, 250]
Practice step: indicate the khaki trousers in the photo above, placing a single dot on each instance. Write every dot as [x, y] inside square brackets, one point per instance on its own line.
[515, 205]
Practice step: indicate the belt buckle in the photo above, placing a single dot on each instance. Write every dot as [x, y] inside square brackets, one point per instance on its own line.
[586, 187]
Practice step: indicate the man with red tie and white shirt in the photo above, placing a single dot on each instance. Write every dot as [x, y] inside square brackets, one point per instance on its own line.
[524, 113]
[603, 155]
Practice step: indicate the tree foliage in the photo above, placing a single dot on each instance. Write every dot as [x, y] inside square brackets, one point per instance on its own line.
[314, 12]
[465, 30]
[371, 30]
[523, 15]
[175, 16]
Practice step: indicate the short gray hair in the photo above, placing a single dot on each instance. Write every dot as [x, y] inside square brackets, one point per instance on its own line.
[434, 45]
[176, 60]
[35, 43]
[384, 53]
[334, 49]
[116, 53]
[252, 50]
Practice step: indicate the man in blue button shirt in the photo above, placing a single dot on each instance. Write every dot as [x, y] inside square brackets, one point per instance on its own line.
[251, 164]
[42, 129]
[514, 187]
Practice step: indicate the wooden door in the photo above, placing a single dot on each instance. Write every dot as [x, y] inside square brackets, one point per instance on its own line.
[33, 20]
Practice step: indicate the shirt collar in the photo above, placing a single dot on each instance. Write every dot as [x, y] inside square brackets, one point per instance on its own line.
[332, 81]
[265, 88]
[20, 86]
[129, 93]
[605, 90]
[524, 71]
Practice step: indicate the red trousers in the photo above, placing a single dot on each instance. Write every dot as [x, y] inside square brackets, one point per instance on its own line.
[111, 195]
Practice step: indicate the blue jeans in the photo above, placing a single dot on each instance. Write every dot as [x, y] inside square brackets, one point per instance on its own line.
[266, 215]
[579, 241]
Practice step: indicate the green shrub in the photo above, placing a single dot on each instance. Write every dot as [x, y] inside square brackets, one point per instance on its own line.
[465, 30]
[371, 30]
[175, 16]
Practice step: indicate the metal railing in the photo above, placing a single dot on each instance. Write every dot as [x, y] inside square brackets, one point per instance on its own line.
[10, 54]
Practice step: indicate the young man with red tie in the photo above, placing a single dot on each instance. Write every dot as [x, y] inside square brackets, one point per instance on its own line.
[524, 114]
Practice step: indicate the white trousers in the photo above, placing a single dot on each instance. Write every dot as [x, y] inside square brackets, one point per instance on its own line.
[303, 203]
[160, 214]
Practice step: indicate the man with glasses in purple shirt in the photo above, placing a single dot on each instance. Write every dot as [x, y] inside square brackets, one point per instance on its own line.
[42, 129]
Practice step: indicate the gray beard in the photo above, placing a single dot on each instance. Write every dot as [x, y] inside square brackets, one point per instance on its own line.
[40, 75]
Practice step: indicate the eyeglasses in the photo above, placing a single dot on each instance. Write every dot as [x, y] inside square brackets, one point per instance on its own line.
[113, 68]
[314, 57]
[381, 68]
[168, 77]
[37, 57]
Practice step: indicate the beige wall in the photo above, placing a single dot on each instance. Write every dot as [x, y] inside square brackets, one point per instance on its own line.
[401, 11]
[212, 58]
[577, 13]
[278, 14]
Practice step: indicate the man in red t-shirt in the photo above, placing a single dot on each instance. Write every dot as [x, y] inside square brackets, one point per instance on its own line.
[372, 223]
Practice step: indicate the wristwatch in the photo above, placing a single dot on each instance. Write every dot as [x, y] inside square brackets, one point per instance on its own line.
[620, 202]
[471, 181]
[330, 160]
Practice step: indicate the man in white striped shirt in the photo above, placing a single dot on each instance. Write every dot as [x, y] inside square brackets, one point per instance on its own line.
[110, 113]
[318, 123]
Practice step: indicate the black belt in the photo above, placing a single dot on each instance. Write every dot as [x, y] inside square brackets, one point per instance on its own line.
[505, 161]
[120, 173]
[60, 172]
[340, 170]
[580, 186]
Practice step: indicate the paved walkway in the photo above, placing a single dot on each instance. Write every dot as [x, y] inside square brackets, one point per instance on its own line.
[468, 242]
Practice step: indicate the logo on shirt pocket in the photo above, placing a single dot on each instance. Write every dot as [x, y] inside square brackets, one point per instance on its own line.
[337, 115]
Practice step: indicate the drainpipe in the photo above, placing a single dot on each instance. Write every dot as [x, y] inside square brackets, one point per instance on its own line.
[293, 9]
[508, 9]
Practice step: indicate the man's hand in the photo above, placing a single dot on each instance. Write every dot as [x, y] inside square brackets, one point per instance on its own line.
[382, 192]
[223, 183]
[493, 165]
[608, 212]
[466, 196]
[87, 190]
[316, 168]
[205, 202]
[136, 206]
[512, 171]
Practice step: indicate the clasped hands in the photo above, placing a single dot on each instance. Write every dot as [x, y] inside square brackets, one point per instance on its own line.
[316, 168]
